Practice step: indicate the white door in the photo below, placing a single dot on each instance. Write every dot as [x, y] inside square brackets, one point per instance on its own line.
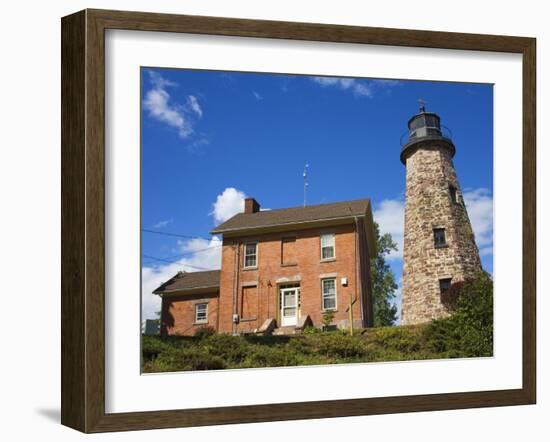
[289, 306]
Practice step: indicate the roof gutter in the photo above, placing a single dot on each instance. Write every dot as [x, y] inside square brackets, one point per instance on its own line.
[188, 291]
[283, 226]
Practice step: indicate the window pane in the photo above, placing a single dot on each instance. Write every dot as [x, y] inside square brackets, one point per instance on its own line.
[327, 246]
[329, 303]
[327, 240]
[250, 254]
[439, 237]
[444, 285]
[328, 286]
[289, 312]
[327, 252]
[290, 299]
[452, 191]
[329, 294]
[200, 312]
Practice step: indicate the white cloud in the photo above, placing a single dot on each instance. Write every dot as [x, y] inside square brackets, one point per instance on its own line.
[160, 105]
[196, 254]
[257, 96]
[228, 203]
[357, 87]
[163, 223]
[194, 105]
[479, 204]
[387, 83]
[390, 216]
[199, 253]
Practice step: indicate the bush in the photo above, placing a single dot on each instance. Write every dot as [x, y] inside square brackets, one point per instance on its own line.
[204, 332]
[402, 339]
[468, 332]
[328, 316]
[341, 346]
[232, 349]
[152, 346]
[311, 331]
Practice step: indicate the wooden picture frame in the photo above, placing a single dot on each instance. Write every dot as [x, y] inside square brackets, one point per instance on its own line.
[83, 220]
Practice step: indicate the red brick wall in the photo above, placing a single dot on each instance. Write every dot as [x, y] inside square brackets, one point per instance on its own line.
[306, 271]
[178, 313]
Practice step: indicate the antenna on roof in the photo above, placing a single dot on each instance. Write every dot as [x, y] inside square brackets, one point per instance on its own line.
[305, 184]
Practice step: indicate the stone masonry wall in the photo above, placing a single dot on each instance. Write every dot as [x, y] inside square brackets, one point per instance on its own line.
[430, 172]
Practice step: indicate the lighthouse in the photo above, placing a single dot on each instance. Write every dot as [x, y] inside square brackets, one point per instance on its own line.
[439, 244]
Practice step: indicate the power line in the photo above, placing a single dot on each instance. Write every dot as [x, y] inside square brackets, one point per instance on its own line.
[172, 262]
[179, 255]
[177, 235]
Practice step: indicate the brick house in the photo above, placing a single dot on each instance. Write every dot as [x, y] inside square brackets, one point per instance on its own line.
[280, 268]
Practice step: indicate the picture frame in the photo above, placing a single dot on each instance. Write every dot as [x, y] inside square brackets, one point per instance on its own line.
[83, 220]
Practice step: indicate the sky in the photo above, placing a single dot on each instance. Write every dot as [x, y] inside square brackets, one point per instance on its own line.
[211, 138]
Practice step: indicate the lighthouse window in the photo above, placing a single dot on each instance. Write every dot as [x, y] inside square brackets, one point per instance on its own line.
[439, 238]
[444, 285]
[452, 192]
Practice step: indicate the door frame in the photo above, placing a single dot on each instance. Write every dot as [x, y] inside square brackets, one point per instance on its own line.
[281, 290]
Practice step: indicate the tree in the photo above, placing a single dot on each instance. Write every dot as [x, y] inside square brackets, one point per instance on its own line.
[383, 281]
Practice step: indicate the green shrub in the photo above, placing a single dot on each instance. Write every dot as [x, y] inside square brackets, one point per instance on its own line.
[311, 331]
[232, 349]
[341, 346]
[401, 339]
[204, 332]
[468, 332]
[152, 346]
[328, 316]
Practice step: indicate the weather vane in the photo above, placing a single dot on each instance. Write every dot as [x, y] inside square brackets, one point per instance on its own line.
[422, 104]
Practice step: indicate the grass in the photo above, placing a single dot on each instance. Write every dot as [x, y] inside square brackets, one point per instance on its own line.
[221, 351]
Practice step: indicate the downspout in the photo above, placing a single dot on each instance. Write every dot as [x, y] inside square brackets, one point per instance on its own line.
[235, 286]
[362, 246]
[258, 296]
[218, 313]
[354, 300]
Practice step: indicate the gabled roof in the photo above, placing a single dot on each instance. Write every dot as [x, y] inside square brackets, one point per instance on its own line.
[197, 282]
[296, 215]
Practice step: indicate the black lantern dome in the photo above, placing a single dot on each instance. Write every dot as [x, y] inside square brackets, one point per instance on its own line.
[425, 127]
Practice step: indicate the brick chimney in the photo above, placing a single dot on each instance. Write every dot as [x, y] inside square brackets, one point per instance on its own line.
[251, 205]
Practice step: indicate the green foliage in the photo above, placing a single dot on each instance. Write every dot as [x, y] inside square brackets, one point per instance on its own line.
[340, 346]
[328, 316]
[468, 332]
[205, 332]
[312, 331]
[383, 281]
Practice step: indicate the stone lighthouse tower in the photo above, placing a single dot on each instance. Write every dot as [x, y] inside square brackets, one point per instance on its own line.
[439, 247]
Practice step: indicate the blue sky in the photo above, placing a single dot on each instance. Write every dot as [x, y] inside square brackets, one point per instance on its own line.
[211, 138]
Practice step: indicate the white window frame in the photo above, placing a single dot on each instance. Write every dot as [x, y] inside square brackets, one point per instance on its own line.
[255, 244]
[201, 321]
[335, 308]
[324, 235]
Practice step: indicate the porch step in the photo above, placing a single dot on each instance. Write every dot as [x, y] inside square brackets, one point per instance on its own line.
[285, 331]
